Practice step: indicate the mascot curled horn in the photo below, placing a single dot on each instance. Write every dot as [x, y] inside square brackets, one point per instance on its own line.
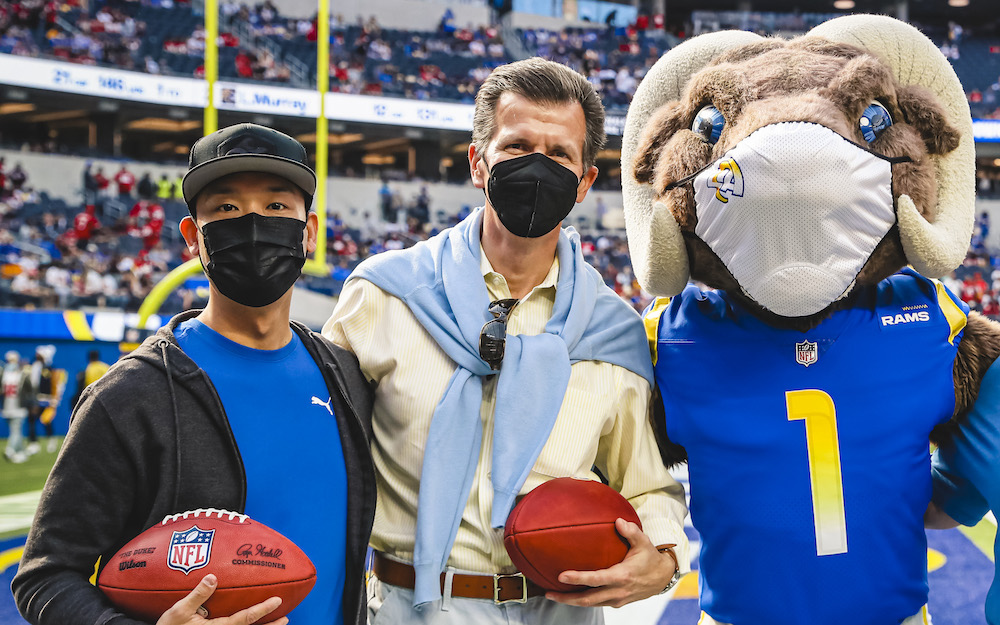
[816, 185]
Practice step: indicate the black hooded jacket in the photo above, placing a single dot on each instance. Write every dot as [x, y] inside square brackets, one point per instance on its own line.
[151, 438]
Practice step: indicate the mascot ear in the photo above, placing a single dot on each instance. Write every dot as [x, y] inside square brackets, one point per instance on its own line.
[658, 253]
[932, 248]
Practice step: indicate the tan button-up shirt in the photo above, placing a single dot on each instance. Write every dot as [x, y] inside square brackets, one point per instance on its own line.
[602, 422]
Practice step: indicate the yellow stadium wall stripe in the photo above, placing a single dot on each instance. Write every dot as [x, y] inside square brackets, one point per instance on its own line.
[76, 321]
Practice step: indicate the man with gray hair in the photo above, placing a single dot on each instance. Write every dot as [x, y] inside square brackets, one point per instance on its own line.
[501, 360]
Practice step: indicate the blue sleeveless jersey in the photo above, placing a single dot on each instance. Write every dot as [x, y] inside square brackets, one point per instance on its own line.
[808, 452]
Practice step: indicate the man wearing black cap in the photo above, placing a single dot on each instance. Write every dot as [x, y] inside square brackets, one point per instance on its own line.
[233, 407]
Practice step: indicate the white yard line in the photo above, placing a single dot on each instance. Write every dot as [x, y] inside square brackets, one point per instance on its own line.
[16, 511]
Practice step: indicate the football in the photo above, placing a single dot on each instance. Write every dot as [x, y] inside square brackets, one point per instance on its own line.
[566, 524]
[164, 563]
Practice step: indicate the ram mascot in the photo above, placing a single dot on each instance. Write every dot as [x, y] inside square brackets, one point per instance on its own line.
[816, 186]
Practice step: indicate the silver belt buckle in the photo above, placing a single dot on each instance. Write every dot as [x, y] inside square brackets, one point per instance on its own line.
[496, 588]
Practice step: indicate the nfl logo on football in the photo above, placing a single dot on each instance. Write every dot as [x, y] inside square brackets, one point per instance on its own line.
[806, 353]
[190, 549]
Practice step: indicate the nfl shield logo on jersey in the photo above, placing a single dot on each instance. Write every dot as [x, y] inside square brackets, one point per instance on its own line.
[190, 549]
[806, 353]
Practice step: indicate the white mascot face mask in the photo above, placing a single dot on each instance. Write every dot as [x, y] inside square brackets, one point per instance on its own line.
[794, 211]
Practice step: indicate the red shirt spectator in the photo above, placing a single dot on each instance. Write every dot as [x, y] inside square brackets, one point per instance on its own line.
[244, 66]
[125, 180]
[84, 224]
[51, 12]
[103, 182]
[979, 285]
[990, 306]
[146, 222]
[968, 294]
[142, 266]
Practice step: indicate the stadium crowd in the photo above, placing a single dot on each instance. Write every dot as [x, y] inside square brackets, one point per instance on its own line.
[86, 257]
[70, 257]
[447, 63]
[163, 36]
[985, 103]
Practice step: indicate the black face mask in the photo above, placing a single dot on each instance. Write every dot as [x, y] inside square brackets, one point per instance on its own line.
[531, 194]
[254, 260]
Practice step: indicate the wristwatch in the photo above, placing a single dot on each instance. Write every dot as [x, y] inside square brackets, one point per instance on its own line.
[677, 570]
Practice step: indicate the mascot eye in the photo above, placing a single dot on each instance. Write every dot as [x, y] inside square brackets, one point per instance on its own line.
[708, 124]
[874, 121]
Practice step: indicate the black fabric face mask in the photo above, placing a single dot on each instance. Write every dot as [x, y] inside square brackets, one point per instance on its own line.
[254, 260]
[531, 194]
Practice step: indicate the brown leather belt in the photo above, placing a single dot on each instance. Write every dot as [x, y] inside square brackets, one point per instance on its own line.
[501, 588]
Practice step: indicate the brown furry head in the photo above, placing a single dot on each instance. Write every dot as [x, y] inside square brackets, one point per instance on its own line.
[808, 79]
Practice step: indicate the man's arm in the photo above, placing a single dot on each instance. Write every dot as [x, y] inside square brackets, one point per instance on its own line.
[630, 457]
[937, 519]
[955, 499]
[352, 323]
[81, 514]
[86, 510]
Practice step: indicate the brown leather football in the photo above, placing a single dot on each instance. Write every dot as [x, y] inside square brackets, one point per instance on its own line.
[164, 563]
[567, 524]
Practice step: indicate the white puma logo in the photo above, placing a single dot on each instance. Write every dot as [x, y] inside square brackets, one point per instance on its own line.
[326, 404]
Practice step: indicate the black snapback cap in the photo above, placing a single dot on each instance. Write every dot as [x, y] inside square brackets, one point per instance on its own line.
[247, 147]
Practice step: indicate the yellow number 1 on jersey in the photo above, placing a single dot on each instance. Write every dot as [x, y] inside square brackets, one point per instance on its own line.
[817, 410]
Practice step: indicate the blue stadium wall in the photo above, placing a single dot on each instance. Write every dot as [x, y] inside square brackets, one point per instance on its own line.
[74, 334]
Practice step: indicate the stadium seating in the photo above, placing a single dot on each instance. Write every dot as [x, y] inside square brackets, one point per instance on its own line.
[443, 64]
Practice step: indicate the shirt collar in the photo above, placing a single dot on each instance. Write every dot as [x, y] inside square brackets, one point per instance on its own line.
[496, 284]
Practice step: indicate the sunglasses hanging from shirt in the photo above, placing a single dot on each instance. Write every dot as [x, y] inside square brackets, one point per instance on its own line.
[493, 337]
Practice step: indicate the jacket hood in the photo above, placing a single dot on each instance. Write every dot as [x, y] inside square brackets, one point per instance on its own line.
[151, 350]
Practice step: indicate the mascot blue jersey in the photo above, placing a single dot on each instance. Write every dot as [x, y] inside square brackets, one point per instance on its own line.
[808, 452]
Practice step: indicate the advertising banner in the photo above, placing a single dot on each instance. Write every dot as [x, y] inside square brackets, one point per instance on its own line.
[233, 96]
[102, 82]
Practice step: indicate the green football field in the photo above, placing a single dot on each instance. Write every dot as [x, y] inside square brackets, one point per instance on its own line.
[23, 478]
[18, 478]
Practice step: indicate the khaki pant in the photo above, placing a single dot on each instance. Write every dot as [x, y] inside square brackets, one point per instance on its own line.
[392, 605]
